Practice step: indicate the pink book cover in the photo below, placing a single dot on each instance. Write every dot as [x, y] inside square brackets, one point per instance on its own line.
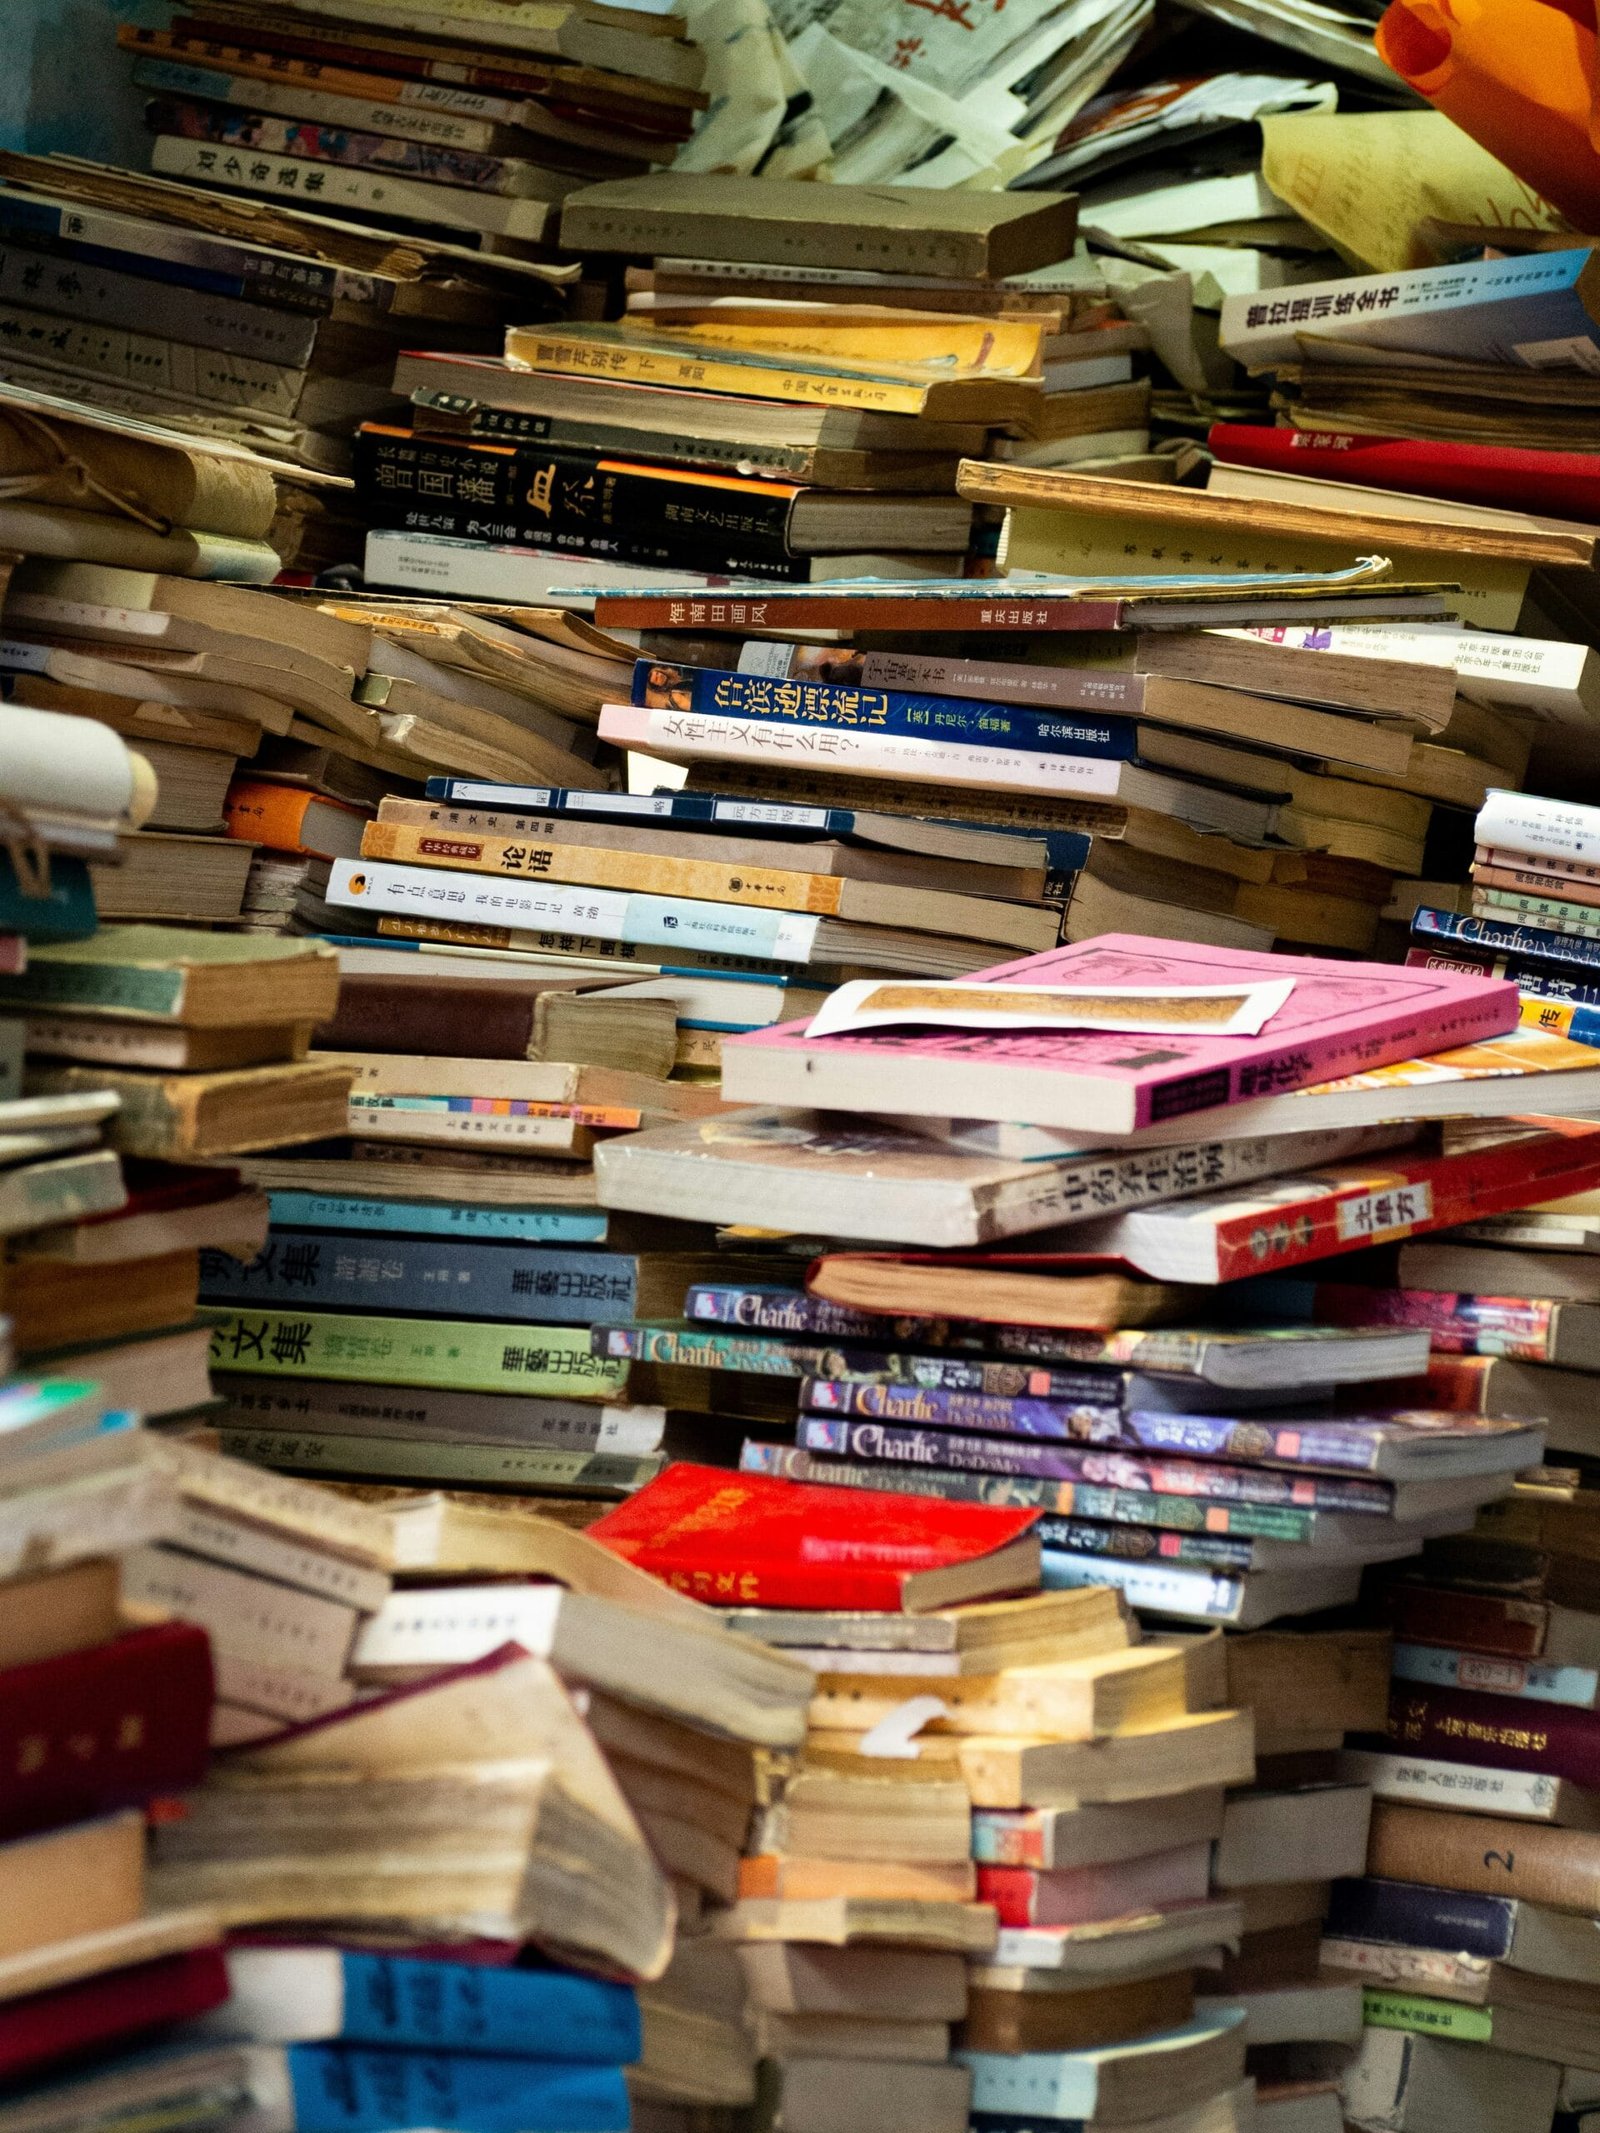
[1341, 1018]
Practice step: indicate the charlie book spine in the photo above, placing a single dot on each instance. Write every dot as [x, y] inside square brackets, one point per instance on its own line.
[928, 1407]
[1535, 945]
[935, 718]
[1139, 1544]
[1161, 1477]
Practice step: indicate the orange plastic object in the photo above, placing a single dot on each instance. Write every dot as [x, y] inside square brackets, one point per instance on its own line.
[1520, 76]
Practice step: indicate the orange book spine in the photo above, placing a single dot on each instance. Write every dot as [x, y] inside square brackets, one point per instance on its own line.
[803, 1880]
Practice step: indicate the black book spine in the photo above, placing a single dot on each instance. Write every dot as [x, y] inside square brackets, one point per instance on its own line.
[583, 502]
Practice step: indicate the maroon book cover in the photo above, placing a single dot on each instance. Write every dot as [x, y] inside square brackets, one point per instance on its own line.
[105, 1728]
[1497, 1732]
[1468, 1621]
[91, 2011]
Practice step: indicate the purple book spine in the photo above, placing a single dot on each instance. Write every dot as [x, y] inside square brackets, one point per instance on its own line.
[932, 1407]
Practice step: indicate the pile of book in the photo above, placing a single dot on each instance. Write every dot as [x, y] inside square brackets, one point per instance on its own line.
[791, 405]
[251, 322]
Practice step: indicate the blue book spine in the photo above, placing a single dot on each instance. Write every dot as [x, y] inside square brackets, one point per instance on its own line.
[932, 718]
[933, 1407]
[1533, 944]
[437, 1218]
[181, 258]
[959, 1373]
[427, 1277]
[1413, 1915]
[342, 2089]
[475, 2007]
[64, 913]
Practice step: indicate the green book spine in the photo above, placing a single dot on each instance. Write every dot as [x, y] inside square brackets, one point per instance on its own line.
[1428, 2018]
[552, 1361]
[688, 1346]
[483, 1466]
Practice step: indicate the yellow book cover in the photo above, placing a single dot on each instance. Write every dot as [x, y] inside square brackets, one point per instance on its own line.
[703, 880]
[1001, 348]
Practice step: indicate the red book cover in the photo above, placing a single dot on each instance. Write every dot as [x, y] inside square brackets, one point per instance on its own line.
[1468, 1621]
[1497, 1732]
[1557, 484]
[93, 2011]
[754, 1540]
[1521, 1327]
[104, 1728]
[1309, 1215]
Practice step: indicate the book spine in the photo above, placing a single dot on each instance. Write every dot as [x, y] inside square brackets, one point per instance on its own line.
[1138, 1544]
[70, 2021]
[693, 735]
[64, 913]
[552, 1361]
[473, 2007]
[1572, 920]
[333, 185]
[321, 100]
[1044, 688]
[911, 1447]
[191, 51]
[736, 609]
[1198, 1595]
[694, 1350]
[445, 1218]
[1527, 945]
[954, 1373]
[769, 888]
[148, 362]
[1455, 1323]
[506, 1466]
[1437, 1667]
[577, 500]
[525, 908]
[1382, 2009]
[1479, 1621]
[1411, 1200]
[934, 1408]
[437, 163]
[1184, 1514]
[791, 1311]
[538, 349]
[339, 2088]
[790, 1463]
[133, 302]
[1556, 484]
[1464, 1726]
[473, 1418]
[517, 1283]
[1405, 1914]
[1554, 829]
[506, 425]
[184, 258]
[716, 692]
[104, 1729]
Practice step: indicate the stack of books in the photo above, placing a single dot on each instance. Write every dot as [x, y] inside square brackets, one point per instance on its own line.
[105, 1712]
[865, 406]
[234, 320]
[471, 128]
[1470, 1930]
[869, 1878]
[1039, 1367]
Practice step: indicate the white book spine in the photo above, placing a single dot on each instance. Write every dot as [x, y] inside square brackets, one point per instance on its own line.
[289, 179]
[482, 570]
[450, 1626]
[1528, 673]
[149, 363]
[438, 893]
[376, 1119]
[254, 1617]
[1198, 1595]
[399, 120]
[1554, 829]
[1427, 1782]
[687, 736]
